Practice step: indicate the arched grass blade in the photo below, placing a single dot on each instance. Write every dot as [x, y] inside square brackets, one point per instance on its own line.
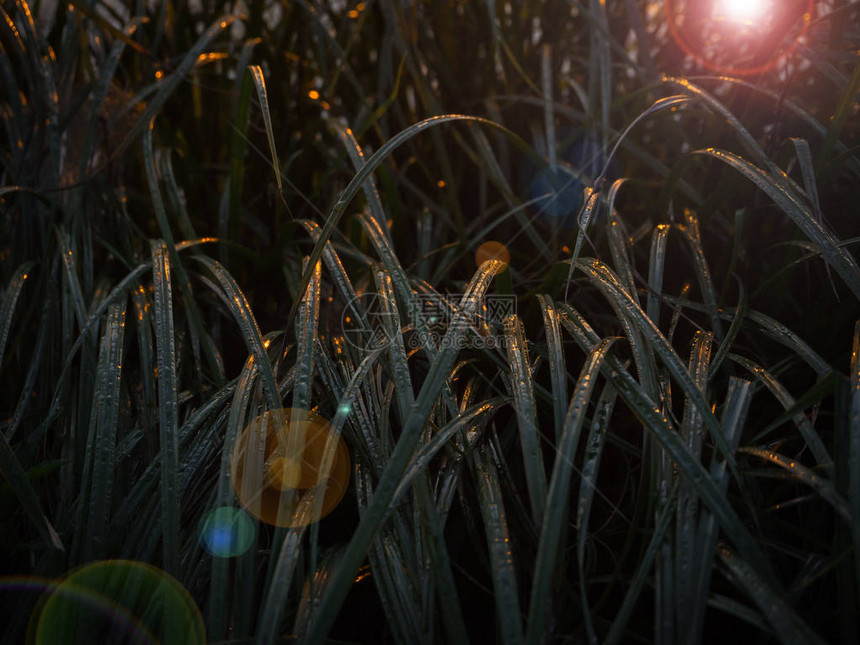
[236, 301]
[792, 204]
[806, 429]
[806, 476]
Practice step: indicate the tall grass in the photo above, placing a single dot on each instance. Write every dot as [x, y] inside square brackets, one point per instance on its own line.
[207, 216]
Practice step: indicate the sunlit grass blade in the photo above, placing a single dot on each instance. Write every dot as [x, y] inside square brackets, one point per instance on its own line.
[559, 487]
[104, 430]
[690, 229]
[555, 356]
[806, 476]
[525, 406]
[692, 430]
[734, 416]
[10, 299]
[168, 419]
[804, 426]
[238, 304]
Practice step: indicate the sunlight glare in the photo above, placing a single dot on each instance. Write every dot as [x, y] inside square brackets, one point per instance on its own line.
[742, 10]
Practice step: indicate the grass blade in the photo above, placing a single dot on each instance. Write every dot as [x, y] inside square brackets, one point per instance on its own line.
[168, 419]
[524, 404]
[559, 488]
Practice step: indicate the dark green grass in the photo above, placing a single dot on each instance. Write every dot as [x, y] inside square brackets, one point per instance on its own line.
[664, 446]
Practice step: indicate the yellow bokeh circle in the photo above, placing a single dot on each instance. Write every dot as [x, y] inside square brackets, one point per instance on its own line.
[289, 467]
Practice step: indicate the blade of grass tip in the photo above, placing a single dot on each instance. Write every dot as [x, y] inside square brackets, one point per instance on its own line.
[746, 139]
[412, 428]
[499, 547]
[622, 617]
[236, 301]
[168, 419]
[734, 416]
[692, 431]
[356, 183]
[854, 450]
[555, 353]
[660, 427]
[263, 97]
[782, 194]
[806, 476]
[522, 387]
[104, 425]
[804, 426]
[559, 488]
[587, 485]
[690, 229]
[656, 267]
[788, 626]
[10, 299]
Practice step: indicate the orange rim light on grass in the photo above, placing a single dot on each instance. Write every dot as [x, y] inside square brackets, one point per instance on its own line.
[289, 468]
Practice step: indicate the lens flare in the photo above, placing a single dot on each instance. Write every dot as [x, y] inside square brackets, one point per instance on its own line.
[226, 532]
[492, 251]
[745, 11]
[289, 467]
[118, 601]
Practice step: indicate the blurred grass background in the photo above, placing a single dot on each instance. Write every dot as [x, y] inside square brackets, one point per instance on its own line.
[667, 446]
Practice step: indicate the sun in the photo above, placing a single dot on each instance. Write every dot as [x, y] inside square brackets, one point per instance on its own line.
[746, 11]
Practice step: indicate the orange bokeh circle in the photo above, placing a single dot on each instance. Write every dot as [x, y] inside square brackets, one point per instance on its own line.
[671, 11]
[492, 251]
[289, 467]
